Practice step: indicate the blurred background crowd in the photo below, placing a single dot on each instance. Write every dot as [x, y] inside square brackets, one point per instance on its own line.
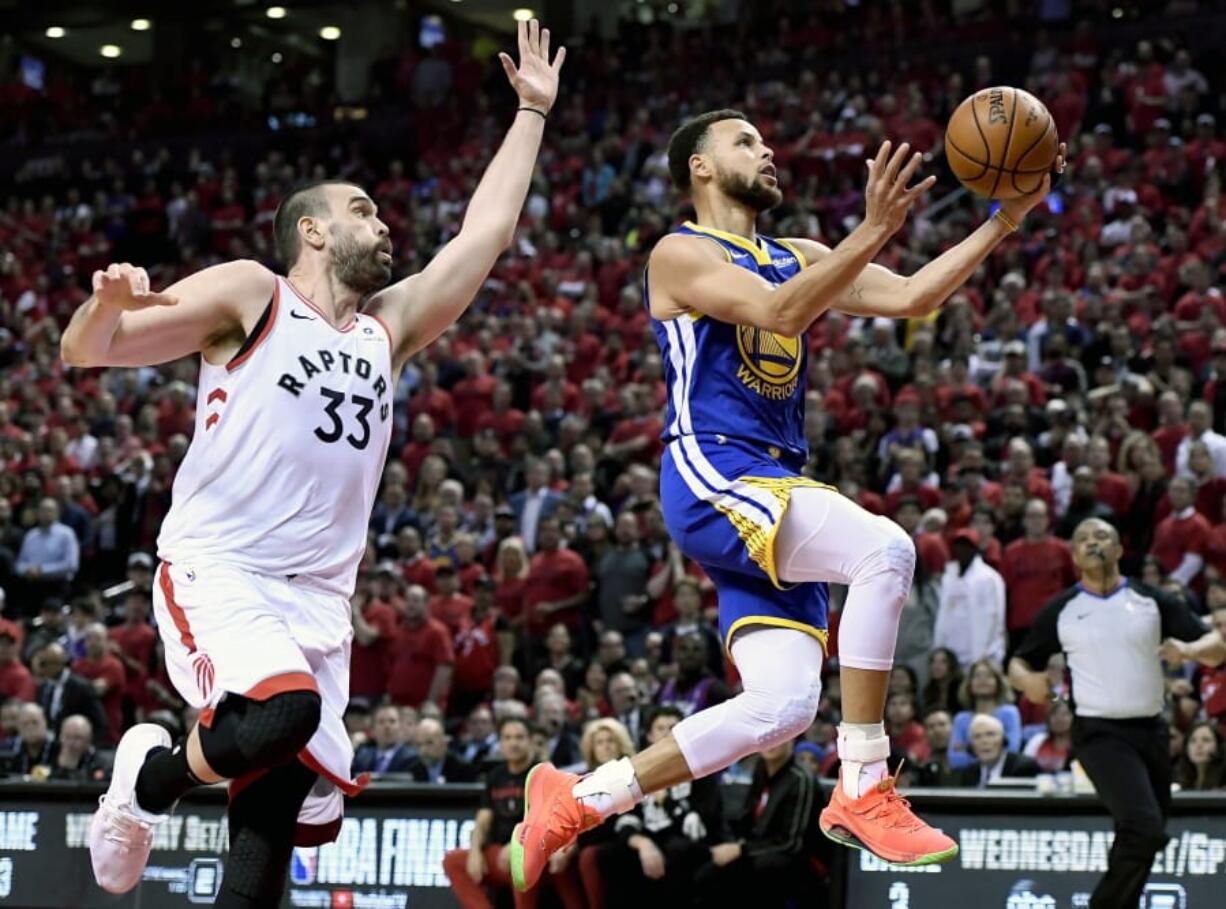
[517, 566]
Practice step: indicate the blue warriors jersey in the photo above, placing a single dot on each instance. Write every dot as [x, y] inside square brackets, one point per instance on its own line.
[736, 380]
[736, 446]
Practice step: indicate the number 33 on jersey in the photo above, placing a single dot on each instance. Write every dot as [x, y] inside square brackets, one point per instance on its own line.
[298, 422]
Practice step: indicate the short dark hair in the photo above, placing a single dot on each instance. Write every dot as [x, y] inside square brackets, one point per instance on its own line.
[521, 720]
[689, 139]
[665, 710]
[303, 201]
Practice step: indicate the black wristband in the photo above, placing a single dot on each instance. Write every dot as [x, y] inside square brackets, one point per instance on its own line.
[542, 114]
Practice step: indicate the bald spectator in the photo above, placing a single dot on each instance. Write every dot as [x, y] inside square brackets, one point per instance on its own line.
[992, 760]
[549, 711]
[1181, 539]
[1200, 429]
[32, 750]
[75, 757]
[1035, 568]
[15, 679]
[422, 657]
[434, 762]
[478, 742]
[557, 583]
[50, 555]
[106, 673]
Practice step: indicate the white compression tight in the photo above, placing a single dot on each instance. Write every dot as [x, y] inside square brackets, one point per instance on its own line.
[781, 673]
[825, 536]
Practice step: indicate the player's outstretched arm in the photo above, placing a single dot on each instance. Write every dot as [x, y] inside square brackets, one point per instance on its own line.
[126, 323]
[420, 308]
[877, 291]
[690, 274]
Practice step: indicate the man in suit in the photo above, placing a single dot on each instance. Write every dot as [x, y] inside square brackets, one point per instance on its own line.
[386, 752]
[625, 703]
[992, 760]
[62, 692]
[536, 502]
[434, 763]
[549, 711]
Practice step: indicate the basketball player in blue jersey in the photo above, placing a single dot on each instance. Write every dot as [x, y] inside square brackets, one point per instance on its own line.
[730, 310]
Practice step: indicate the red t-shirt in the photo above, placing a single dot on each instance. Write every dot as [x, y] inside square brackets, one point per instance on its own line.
[369, 662]
[553, 576]
[468, 575]
[16, 681]
[416, 654]
[1113, 491]
[438, 404]
[1034, 573]
[1167, 438]
[476, 654]
[420, 571]
[1215, 549]
[509, 597]
[454, 611]
[139, 642]
[472, 397]
[1175, 537]
[932, 551]
[1213, 692]
[110, 669]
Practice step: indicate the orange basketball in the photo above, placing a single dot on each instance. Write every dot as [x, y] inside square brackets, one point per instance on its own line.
[1000, 142]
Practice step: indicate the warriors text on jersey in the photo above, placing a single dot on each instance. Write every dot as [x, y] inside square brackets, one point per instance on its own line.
[736, 380]
[290, 441]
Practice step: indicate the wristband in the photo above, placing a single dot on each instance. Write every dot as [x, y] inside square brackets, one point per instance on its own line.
[1005, 219]
[535, 111]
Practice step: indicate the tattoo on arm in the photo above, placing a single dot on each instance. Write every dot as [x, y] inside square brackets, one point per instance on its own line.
[857, 291]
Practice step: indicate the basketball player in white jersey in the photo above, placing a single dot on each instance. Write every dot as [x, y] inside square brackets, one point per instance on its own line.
[261, 547]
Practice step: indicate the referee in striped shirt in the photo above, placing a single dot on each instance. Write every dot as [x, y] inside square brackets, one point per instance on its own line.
[1110, 630]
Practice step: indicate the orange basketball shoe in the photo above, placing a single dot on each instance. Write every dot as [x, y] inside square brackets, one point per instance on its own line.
[881, 822]
[553, 818]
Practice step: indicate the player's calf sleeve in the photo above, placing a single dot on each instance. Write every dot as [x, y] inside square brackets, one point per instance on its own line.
[781, 674]
[253, 735]
[262, 822]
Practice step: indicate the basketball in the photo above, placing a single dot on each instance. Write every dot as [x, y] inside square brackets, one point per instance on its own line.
[1000, 142]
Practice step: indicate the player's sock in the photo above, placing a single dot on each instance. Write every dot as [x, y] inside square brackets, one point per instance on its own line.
[610, 789]
[863, 749]
[164, 777]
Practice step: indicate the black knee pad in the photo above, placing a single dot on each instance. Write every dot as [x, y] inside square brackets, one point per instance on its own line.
[251, 735]
[275, 730]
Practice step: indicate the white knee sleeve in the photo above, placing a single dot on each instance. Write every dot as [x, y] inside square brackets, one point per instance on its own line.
[827, 537]
[781, 673]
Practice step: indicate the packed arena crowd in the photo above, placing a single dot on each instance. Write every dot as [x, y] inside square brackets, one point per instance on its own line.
[520, 598]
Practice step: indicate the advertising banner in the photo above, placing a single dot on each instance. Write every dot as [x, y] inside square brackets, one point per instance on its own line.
[1042, 862]
[385, 858]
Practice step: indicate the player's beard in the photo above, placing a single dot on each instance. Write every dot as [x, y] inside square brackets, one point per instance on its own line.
[359, 267]
[755, 192]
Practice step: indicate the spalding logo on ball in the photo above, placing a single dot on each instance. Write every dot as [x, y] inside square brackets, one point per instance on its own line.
[1000, 142]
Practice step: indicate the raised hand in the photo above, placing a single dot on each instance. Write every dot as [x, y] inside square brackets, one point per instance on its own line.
[535, 80]
[127, 287]
[1018, 208]
[887, 196]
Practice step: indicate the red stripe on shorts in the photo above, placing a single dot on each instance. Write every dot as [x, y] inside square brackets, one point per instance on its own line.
[349, 787]
[281, 683]
[176, 611]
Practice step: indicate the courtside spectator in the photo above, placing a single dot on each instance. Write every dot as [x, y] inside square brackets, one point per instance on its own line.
[386, 751]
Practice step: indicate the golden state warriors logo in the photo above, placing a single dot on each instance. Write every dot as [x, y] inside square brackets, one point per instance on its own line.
[770, 363]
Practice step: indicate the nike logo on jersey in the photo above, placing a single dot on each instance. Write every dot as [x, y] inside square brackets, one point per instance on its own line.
[298, 315]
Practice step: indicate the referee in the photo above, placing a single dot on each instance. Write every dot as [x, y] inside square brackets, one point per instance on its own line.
[1110, 630]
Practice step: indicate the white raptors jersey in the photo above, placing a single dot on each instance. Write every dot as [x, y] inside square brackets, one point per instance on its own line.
[291, 436]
